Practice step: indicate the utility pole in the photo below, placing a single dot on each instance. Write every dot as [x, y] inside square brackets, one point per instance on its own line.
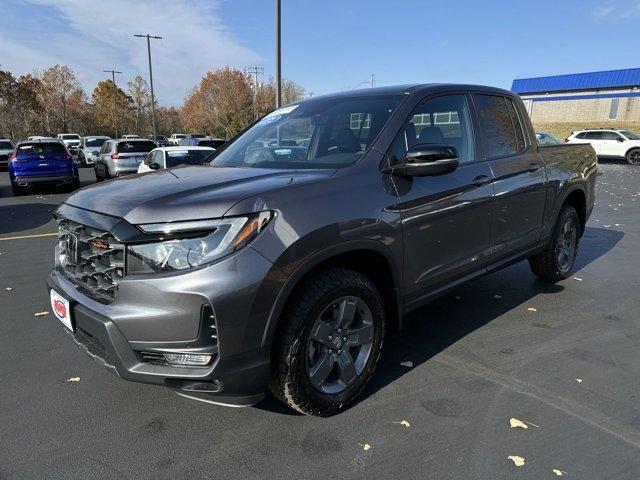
[372, 80]
[153, 101]
[115, 92]
[254, 72]
[278, 58]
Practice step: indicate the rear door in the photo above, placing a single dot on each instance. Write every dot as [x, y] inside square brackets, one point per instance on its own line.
[518, 172]
[446, 219]
[595, 139]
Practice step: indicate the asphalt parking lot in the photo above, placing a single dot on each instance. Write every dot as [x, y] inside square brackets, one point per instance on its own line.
[561, 360]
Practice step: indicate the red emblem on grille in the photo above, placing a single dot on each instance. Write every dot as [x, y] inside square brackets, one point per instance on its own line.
[99, 244]
[60, 309]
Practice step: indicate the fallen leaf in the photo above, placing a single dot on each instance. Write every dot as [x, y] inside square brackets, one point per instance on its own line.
[515, 423]
[577, 279]
[497, 296]
[8, 289]
[404, 423]
[365, 446]
[74, 379]
[406, 363]
[531, 309]
[42, 313]
[579, 380]
[558, 472]
[518, 461]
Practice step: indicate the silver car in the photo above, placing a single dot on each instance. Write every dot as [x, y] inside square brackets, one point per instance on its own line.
[6, 147]
[121, 157]
[89, 149]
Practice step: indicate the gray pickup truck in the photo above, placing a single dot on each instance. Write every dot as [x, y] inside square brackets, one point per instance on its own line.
[283, 264]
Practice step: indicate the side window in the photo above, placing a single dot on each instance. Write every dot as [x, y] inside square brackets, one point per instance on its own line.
[158, 157]
[610, 136]
[442, 120]
[148, 160]
[593, 136]
[500, 125]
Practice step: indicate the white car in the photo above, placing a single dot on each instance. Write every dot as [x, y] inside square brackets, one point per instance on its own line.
[175, 138]
[89, 149]
[71, 141]
[610, 143]
[6, 148]
[167, 157]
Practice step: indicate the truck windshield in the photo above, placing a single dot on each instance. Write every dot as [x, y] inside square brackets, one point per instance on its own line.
[6, 146]
[71, 137]
[318, 133]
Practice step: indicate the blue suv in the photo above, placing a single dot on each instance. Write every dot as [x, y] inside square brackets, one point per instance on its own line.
[42, 162]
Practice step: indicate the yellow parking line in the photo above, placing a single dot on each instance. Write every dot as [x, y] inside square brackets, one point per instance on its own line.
[20, 237]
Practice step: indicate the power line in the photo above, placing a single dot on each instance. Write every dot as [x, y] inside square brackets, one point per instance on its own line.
[153, 101]
[113, 105]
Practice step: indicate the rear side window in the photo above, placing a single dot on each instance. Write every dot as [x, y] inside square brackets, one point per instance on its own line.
[136, 147]
[500, 125]
[40, 149]
[593, 136]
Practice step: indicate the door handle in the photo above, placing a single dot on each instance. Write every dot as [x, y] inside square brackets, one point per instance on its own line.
[534, 166]
[481, 180]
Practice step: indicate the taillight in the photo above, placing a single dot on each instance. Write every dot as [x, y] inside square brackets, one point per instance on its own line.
[114, 156]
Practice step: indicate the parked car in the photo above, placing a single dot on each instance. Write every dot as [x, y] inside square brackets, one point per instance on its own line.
[167, 157]
[610, 144]
[130, 137]
[545, 138]
[71, 141]
[286, 267]
[89, 149]
[160, 140]
[203, 142]
[42, 162]
[6, 147]
[174, 138]
[121, 157]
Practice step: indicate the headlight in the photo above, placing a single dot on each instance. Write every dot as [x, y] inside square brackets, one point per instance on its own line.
[208, 240]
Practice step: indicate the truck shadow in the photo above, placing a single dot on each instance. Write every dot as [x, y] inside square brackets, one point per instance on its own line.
[445, 321]
[26, 216]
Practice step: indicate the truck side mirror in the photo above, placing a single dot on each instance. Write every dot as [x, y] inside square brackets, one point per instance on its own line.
[424, 160]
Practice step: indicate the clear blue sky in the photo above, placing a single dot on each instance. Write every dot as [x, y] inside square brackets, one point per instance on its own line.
[328, 45]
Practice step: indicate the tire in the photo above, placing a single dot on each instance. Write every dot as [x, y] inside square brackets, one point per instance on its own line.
[314, 312]
[74, 186]
[98, 176]
[633, 156]
[556, 261]
[17, 191]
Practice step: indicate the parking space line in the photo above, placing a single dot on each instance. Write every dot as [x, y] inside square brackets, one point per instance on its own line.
[21, 237]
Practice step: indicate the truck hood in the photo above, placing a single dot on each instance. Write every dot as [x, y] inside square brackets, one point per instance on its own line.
[185, 193]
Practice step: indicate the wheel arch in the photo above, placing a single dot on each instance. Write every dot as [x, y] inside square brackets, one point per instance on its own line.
[577, 198]
[368, 257]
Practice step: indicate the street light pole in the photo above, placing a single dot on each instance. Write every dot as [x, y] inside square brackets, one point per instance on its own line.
[113, 104]
[153, 102]
[278, 58]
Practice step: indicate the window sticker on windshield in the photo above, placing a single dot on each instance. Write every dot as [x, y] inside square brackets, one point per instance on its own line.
[269, 119]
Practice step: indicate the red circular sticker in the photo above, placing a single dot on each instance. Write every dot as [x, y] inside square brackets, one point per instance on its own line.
[60, 309]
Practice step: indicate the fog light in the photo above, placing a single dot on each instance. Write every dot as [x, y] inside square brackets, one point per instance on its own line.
[188, 359]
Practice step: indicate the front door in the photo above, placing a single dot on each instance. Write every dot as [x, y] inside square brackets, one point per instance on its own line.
[519, 176]
[446, 219]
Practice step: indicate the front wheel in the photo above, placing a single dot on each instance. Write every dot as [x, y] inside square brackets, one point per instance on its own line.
[633, 156]
[329, 342]
[557, 260]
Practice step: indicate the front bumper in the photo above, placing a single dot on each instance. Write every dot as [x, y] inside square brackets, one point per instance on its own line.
[163, 314]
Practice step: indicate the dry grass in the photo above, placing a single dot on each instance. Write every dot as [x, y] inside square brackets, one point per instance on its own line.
[563, 129]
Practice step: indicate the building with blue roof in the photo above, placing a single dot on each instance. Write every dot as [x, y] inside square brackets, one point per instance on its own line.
[612, 95]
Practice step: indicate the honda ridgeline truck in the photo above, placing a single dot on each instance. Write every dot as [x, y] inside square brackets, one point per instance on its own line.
[284, 266]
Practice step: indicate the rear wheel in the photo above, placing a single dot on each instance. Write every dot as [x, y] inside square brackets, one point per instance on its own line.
[99, 177]
[557, 260]
[329, 343]
[633, 156]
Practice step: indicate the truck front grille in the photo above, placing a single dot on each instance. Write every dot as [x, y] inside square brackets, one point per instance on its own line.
[92, 259]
